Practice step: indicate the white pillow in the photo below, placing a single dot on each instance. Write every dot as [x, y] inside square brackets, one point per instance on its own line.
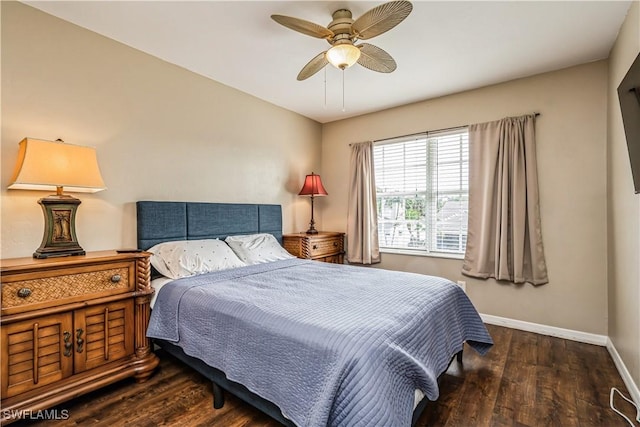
[257, 248]
[185, 258]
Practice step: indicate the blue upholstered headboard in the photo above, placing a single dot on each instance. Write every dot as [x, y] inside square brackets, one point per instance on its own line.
[167, 221]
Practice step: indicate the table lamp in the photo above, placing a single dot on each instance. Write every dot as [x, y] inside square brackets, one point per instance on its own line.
[312, 187]
[55, 165]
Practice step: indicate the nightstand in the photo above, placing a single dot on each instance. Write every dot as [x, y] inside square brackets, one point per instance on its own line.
[325, 246]
[71, 325]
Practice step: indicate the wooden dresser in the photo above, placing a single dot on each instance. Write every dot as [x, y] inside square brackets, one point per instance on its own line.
[325, 246]
[71, 325]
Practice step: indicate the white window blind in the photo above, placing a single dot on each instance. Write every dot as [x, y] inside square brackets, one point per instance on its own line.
[422, 186]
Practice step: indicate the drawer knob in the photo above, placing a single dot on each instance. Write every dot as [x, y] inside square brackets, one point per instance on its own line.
[67, 343]
[315, 246]
[335, 244]
[115, 278]
[24, 292]
[79, 340]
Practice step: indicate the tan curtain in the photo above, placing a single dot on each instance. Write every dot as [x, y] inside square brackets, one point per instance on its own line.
[362, 217]
[504, 237]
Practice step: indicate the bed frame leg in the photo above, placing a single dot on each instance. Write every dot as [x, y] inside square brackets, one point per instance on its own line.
[459, 356]
[218, 396]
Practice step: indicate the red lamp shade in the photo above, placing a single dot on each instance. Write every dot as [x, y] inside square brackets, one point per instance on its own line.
[313, 186]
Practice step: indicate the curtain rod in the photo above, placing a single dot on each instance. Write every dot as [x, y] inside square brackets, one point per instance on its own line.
[427, 131]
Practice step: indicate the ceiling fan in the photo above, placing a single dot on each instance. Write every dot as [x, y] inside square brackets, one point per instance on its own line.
[343, 32]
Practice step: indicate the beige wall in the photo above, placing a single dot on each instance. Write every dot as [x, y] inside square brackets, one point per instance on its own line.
[571, 145]
[161, 132]
[623, 209]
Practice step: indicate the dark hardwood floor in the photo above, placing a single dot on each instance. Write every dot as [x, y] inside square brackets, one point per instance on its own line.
[525, 380]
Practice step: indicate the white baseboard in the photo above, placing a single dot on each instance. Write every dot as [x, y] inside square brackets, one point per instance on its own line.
[552, 331]
[624, 372]
[585, 337]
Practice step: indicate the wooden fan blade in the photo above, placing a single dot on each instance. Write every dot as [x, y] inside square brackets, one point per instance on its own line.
[304, 27]
[380, 19]
[313, 66]
[375, 59]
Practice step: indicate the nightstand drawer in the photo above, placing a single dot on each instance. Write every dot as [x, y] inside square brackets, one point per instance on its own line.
[323, 247]
[332, 259]
[29, 291]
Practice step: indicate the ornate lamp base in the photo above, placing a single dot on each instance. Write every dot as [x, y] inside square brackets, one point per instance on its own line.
[59, 237]
[312, 223]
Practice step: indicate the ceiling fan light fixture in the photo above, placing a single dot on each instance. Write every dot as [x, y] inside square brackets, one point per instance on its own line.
[343, 55]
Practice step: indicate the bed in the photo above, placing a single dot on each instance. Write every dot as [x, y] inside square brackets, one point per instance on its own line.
[308, 343]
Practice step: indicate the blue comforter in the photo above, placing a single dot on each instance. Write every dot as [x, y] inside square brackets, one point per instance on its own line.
[329, 344]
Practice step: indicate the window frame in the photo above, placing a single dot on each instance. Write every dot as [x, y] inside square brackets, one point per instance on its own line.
[431, 194]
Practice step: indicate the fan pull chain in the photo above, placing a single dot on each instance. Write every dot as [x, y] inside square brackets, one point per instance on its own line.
[343, 108]
[325, 88]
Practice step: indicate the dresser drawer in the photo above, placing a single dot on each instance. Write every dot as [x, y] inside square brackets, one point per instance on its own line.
[323, 247]
[332, 259]
[30, 291]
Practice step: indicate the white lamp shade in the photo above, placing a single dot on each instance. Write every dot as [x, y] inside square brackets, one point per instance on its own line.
[343, 55]
[46, 165]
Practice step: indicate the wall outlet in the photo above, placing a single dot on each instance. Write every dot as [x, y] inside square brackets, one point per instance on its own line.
[463, 285]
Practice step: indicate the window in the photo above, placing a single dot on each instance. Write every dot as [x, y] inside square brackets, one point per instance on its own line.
[422, 186]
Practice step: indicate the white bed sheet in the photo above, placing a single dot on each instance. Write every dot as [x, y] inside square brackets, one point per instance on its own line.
[157, 284]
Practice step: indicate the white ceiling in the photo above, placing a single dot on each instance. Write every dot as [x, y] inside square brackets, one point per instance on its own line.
[443, 47]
